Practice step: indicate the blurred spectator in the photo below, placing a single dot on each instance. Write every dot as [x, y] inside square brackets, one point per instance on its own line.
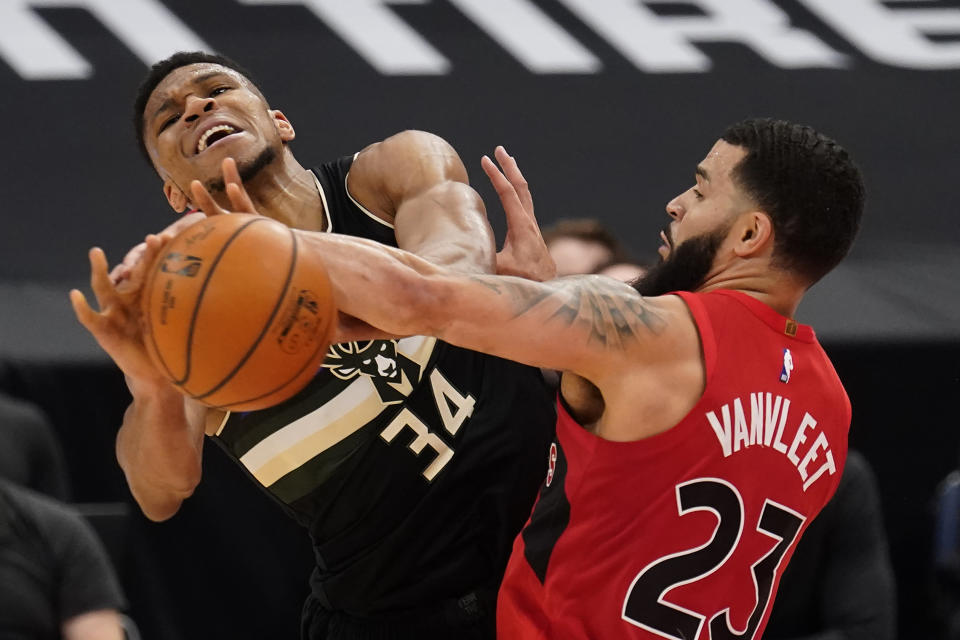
[30, 454]
[623, 271]
[946, 556]
[582, 245]
[55, 578]
[839, 584]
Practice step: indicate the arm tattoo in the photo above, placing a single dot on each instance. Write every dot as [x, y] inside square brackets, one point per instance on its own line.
[524, 294]
[612, 314]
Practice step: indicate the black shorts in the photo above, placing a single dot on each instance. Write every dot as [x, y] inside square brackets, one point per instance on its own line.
[471, 617]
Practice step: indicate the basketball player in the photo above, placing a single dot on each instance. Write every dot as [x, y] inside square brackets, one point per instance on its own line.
[699, 432]
[412, 463]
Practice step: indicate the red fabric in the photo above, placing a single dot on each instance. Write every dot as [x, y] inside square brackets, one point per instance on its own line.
[624, 502]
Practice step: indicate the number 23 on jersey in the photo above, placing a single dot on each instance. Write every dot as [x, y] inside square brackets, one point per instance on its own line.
[648, 604]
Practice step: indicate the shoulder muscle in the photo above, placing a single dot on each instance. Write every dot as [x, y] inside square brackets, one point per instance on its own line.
[387, 173]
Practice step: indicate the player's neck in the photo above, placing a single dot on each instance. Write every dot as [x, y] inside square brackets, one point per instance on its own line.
[776, 288]
[287, 192]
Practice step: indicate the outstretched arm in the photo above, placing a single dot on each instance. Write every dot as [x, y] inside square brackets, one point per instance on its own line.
[586, 324]
[597, 327]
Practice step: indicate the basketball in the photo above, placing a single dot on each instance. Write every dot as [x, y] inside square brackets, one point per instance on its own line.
[236, 315]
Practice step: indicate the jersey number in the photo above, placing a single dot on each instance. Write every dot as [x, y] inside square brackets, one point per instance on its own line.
[645, 606]
[445, 395]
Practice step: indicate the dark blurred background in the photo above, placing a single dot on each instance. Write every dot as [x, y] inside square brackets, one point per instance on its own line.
[607, 104]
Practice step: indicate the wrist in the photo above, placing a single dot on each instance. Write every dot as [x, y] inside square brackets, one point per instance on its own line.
[152, 388]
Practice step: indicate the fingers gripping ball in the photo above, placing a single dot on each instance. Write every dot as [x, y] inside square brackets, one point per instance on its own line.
[237, 315]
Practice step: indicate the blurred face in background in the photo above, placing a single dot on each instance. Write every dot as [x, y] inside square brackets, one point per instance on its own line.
[576, 256]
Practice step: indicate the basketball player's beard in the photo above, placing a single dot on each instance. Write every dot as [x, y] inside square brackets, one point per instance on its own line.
[684, 269]
[247, 170]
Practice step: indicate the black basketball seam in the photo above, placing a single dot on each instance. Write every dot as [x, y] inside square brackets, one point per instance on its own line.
[226, 407]
[320, 346]
[196, 305]
[266, 326]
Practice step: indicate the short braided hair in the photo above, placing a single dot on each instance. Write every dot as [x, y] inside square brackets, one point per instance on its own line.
[809, 186]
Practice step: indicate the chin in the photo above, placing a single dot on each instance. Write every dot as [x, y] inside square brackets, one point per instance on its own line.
[249, 165]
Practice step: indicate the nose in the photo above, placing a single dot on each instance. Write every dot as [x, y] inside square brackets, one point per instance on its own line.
[196, 106]
[675, 208]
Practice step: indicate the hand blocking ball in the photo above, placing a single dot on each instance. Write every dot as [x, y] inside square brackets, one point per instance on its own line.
[237, 315]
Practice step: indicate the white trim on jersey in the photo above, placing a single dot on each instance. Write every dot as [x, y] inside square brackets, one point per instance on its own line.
[323, 199]
[223, 423]
[346, 187]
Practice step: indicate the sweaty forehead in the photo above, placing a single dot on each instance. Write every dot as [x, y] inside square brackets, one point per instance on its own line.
[721, 159]
[186, 77]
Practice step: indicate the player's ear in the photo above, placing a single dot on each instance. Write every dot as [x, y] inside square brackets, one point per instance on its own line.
[754, 233]
[283, 125]
[177, 198]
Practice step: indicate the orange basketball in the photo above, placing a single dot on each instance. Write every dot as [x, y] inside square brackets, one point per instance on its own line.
[237, 315]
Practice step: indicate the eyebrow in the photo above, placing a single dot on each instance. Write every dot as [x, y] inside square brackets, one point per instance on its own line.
[703, 173]
[168, 102]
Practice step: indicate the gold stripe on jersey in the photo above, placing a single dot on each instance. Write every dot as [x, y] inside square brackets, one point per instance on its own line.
[290, 447]
[320, 437]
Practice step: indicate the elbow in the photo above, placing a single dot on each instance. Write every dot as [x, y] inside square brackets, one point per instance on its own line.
[160, 497]
[160, 505]
[159, 513]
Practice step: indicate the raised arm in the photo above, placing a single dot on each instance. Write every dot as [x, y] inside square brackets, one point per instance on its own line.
[415, 181]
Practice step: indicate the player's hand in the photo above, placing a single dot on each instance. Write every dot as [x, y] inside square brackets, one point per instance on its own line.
[348, 328]
[524, 252]
[240, 201]
[121, 274]
[117, 325]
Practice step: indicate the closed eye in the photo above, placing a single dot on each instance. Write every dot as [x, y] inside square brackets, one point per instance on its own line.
[169, 121]
[696, 192]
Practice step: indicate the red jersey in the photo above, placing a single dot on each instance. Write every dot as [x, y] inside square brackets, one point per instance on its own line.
[684, 535]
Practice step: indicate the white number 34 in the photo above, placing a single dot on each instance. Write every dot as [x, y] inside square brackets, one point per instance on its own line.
[446, 396]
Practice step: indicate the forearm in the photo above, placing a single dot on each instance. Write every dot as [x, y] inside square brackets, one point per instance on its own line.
[504, 316]
[380, 285]
[159, 448]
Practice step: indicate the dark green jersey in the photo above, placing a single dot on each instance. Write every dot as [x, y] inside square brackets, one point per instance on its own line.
[413, 463]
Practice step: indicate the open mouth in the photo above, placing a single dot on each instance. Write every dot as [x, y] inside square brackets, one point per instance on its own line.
[215, 134]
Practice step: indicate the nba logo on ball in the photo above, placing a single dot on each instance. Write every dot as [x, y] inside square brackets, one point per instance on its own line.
[301, 325]
[181, 265]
